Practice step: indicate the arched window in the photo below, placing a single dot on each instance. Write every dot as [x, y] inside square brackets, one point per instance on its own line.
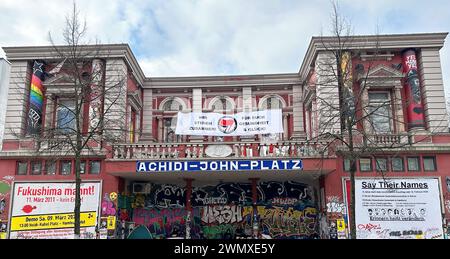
[222, 104]
[271, 102]
[170, 125]
[170, 106]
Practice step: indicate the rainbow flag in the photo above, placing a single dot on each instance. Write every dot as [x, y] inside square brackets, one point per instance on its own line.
[36, 99]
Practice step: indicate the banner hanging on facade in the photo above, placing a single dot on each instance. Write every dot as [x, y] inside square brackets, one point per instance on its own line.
[239, 124]
[398, 208]
[412, 87]
[36, 99]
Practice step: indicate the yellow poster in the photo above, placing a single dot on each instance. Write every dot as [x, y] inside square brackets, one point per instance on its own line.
[340, 225]
[111, 222]
[52, 221]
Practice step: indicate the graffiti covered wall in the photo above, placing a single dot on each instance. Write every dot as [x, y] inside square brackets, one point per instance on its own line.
[225, 211]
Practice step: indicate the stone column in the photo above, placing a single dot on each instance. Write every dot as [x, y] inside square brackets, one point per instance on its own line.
[196, 107]
[308, 123]
[285, 127]
[49, 111]
[298, 127]
[160, 129]
[314, 119]
[147, 120]
[247, 99]
[365, 103]
[399, 120]
[247, 107]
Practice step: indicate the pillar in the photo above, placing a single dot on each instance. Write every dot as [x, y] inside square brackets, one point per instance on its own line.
[197, 106]
[297, 106]
[414, 106]
[247, 106]
[255, 208]
[96, 97]
[188, 206]
[147, 116]
[400, 120]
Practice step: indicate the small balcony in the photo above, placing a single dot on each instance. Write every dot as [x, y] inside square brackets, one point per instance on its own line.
[388, 140]
[205, 150]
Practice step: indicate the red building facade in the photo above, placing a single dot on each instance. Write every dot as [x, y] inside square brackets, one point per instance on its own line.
[287, 185]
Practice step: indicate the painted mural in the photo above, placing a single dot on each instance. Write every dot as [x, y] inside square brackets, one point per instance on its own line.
[225, 211]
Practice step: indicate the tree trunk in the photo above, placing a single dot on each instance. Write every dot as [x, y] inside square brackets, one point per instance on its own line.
[352, 179]
[77, 197]
[352, 198]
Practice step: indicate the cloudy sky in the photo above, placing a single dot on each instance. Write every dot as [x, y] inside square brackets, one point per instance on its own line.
[216, 37]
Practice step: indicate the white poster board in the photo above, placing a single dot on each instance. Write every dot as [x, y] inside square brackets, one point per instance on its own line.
[408, 208]
[239, 124]
[46, 210]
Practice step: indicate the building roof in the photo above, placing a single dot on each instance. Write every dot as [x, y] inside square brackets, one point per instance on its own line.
[386, 41]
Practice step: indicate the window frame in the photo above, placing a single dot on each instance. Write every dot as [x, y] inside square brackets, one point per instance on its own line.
[99, 168]
[27, 167]
[224, 101]
[386, 163]
[32, 163]
[61, 164]
[59, 107]
[390, 111]
[267, 102]
[370, 164]
[46, 167]
[345, 160]
[403, 164]
[434, 163]
[83, 168]
[170, 102]
[418, 163]
[167, 129]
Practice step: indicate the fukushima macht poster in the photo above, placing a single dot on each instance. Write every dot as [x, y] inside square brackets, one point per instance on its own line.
[46, 210]
[398, 208]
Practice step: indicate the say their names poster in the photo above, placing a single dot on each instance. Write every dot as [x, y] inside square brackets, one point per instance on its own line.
[398, 208]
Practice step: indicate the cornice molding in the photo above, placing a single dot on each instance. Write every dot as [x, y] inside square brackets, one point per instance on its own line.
[223, 81]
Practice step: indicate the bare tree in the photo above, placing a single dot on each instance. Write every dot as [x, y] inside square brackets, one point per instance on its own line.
[86, 108]
[354, 124]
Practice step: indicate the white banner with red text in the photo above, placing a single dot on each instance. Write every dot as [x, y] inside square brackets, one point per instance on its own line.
[239, 124]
